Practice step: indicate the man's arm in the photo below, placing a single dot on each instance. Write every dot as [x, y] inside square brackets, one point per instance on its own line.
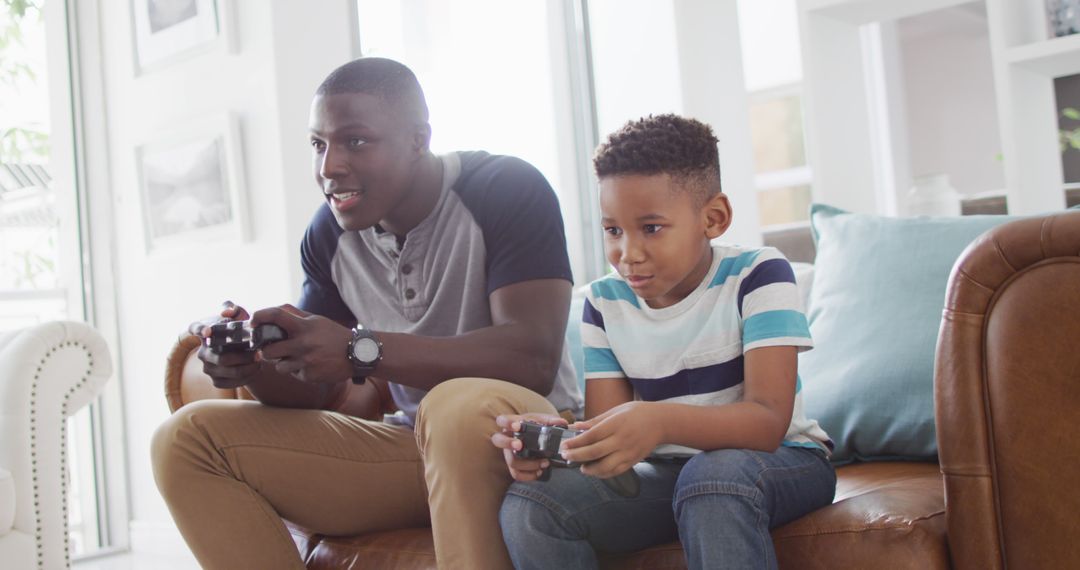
[523, 346]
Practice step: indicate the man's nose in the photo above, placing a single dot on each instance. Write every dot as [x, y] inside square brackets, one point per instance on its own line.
[333, 164]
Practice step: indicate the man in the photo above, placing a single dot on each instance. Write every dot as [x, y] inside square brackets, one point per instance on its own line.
[431, 272]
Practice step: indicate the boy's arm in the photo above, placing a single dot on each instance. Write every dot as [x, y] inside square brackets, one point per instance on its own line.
[603, 394]
[627, 433]
[759, 421]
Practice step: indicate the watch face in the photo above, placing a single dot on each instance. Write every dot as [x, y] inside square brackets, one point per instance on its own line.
[366, 350]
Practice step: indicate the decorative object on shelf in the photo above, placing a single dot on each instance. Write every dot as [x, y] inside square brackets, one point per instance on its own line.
[1063, 17]
[168, 28]
[933, 196]
[190, 184]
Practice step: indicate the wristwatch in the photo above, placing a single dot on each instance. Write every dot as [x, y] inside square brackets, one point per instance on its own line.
[364, 353]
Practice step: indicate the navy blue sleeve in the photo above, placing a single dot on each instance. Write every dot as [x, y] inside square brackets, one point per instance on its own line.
[320, 294]
[519, 215]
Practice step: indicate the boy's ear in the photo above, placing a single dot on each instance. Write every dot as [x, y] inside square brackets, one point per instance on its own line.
[717, 213]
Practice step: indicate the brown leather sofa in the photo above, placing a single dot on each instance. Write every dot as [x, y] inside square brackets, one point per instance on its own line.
[1007, 490]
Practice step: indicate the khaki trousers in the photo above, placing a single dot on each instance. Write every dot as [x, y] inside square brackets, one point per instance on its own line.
[231, 470]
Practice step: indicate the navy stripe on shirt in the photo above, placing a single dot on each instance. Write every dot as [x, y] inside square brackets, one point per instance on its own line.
[766, 273]
[320, 294]
[592, 316]
[704, 380]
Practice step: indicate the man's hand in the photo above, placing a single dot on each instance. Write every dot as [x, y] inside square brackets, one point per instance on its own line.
[521, 469]
[315, 350]
[226, 370]
[614, 441]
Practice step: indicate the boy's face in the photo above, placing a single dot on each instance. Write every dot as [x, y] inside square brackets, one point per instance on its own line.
[364, 156]
[657, 237]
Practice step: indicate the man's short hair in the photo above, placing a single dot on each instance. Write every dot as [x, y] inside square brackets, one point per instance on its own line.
[669, 144]
[390, 81]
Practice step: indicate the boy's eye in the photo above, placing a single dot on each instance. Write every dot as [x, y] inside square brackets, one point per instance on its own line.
[356, 142]
[651, 228]
[613, 231]
[318, 145]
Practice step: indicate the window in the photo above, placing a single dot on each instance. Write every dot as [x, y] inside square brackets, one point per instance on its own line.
[494, 81]
[41, 240]
[772, 69]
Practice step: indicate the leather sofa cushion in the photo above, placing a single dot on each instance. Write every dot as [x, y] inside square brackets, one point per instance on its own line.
[885, 515]
[7, 502]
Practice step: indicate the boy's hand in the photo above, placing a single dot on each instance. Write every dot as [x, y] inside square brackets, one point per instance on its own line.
[615, 440]
[521, 469]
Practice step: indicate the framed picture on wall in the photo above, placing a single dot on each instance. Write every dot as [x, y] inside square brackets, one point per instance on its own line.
[191, 187]
[167, 29]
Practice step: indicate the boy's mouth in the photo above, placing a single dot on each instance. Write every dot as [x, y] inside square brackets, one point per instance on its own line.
[637, 281]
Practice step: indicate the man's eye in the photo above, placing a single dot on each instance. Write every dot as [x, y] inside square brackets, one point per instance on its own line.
[356, 142]
[318, 145]
[652, 228]
[613, 231]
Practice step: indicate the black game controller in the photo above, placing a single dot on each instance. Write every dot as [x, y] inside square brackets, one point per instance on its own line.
[540, 441]
[240, 336]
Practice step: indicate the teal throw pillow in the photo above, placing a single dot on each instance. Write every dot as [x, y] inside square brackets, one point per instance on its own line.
[875, 309]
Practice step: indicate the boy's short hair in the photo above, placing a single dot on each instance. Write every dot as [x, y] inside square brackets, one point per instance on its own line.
[668, 144]
[392, 82]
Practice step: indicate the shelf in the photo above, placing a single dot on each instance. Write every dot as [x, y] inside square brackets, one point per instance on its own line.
[1056, 57]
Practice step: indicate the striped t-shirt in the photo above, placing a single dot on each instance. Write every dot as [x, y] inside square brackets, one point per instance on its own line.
[692, 352]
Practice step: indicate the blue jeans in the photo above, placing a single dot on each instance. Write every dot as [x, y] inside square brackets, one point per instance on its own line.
[720, 504]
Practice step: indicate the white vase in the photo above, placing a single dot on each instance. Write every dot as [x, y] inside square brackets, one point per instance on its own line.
[932, 195]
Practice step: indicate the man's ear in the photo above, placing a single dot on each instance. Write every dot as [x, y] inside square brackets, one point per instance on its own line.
[421, 137]
[717, 212]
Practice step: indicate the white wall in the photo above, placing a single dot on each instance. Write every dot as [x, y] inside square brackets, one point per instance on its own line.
[283, 49]
[948, 85]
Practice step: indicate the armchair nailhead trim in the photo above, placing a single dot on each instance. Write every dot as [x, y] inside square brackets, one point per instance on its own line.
[38, 539]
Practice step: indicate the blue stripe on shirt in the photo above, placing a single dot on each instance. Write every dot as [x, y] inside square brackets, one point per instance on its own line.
[732, 267]
[704, 380]
[614, 290]
[601, 360]
[591, 316]
[766, 273]
[773, 324]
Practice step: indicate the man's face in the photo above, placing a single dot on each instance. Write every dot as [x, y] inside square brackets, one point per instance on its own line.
[654, 236]
[364, 156]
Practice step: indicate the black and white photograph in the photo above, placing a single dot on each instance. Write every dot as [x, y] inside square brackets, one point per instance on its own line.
[190, 187]
[168, 29]
[164, 14]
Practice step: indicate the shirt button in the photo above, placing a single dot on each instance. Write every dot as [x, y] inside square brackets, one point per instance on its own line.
[409, 294]
[406, 269]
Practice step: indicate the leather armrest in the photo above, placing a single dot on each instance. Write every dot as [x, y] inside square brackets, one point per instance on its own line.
[185, 382]
[1006, 387]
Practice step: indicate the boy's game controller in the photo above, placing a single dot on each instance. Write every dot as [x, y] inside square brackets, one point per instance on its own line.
[541, 441]
[240, 336]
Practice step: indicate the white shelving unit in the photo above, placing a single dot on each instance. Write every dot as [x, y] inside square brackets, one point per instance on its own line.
[1026, 62]
[855, 146]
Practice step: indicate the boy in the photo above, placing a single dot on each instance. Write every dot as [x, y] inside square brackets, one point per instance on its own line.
[691, 380]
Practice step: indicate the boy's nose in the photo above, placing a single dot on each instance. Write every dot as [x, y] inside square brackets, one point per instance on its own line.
[632, 253]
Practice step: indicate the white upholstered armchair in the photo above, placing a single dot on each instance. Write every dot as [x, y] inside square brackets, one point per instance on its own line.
[47, 373]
